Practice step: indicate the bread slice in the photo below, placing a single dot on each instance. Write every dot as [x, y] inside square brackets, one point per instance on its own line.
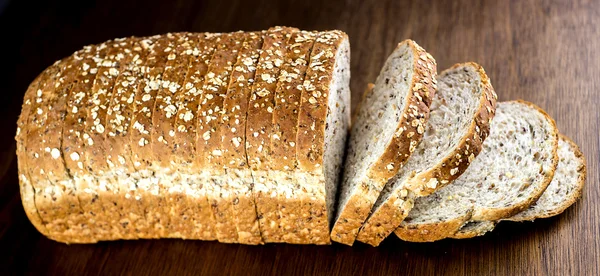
[461, 111]
[209, 151]
[119, 124]
[57, 201]
[323, 123]
[283, 158]
[195, 193]
[566, 186]
[516, 165]
[389, 125]
[233, 140]
[110, 222]
[146, 181]
[26, 186]
[563, 191]
[259, 130]
[172, 184]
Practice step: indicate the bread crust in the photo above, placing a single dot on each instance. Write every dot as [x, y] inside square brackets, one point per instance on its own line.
[432, 231]
[388, 217]
[482, 228]
[428, 232]
[409, 132]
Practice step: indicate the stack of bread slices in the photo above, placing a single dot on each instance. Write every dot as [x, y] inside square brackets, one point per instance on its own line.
[244, 138]
[436, 156]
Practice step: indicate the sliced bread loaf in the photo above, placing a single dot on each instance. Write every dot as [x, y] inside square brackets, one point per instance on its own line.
[564, 190]
[461, 112]
[516, 165]
[388, 128]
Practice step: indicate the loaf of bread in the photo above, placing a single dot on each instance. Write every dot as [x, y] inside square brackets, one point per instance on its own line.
[240, 137]
[236, 137]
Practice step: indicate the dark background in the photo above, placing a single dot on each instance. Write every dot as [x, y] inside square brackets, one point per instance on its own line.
[546, 52]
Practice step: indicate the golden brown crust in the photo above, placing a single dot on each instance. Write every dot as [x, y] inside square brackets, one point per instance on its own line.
[432, 231]
[165, 105]
[499, 213]
[408, 133]
[480, 230]
[259, 130]
[234, 138]
[209, 152]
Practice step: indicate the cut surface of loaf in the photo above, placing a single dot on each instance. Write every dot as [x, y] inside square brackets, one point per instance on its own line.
[563, 191]
[324, 107]
[459, 118]
[389, 125]
[156, 142]
[516, 164]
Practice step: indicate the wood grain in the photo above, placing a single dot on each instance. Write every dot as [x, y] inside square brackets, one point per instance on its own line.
[542, 51]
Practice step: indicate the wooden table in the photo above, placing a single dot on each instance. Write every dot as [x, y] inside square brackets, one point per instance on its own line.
[547, 53]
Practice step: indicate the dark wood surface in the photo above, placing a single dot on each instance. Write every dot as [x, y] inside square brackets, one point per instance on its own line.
[541, 51]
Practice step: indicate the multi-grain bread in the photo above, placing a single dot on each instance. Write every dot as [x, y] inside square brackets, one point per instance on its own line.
[147, 138]
[563, 191]
[460, 114]
[516, 164]
[388, 127]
